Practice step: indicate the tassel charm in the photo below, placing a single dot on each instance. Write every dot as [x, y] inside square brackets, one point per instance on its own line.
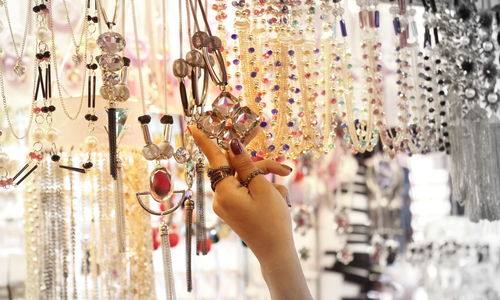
[167, 261]
[189, 207]
[120, 209]
[201, 234]
[112, 141]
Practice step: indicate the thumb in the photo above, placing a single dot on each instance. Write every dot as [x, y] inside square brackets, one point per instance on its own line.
[242, 163]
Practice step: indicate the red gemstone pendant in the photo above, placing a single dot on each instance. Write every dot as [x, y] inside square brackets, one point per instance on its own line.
[160, 183]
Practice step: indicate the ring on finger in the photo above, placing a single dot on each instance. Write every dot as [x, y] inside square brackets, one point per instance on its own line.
[252, 175]
[216, 175]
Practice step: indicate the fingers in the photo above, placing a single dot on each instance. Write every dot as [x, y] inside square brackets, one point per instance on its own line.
[241, 162]
[270, 166]
[214, 154]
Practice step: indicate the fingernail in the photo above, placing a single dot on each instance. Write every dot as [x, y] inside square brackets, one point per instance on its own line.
[236, 147]
[287, 167]
[288, 201]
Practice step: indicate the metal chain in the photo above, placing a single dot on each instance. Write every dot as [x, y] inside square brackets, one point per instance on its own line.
[138, 54]
[5, 106]
[27, 28]
[84, 25]
[56, 71]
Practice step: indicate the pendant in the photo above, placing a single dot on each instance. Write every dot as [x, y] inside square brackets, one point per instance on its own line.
[19, 68]
[201, 233]
[77, 57]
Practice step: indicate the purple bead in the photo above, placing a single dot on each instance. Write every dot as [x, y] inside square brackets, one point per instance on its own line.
[271, 148]
[251, 49]
[253, 74]
[291, 52]
[291, 101]
[297, 91]
[356, 122]
[286, 147]
[234, 36]
[274, 111]
[269, 52]
[239, 87]
[258, 99]
[344, 125]
[276, 87]
[343, 28]
[263, 124]
[236, 61]
[290, 124]
[292, 77]
[278, 64]
[377, 19]
[254, 153]
[316, 50]
[337, 58]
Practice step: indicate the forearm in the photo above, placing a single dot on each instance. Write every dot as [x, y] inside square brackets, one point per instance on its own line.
[284, 276]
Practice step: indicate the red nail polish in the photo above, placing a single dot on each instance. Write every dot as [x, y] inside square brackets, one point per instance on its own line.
[236, 147]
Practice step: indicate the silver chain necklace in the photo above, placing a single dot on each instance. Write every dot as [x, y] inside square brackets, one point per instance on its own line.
[77, 57]
[19, 67]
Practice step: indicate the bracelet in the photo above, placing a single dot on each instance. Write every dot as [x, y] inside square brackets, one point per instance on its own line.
[217, 174]
[252, 175]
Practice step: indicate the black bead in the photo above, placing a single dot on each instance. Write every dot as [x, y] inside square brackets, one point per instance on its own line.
[437, 61]
[39, 56]
[126, 61]
[443, 113]
[46, 54]
[144, 119]
[43, 7]
[89, 18]
[88, 117]
[444, 124]
[441, 93]
[94, 118]
[467, 66]
[446, 133]
[432, 121]
[36, 9]
[429, 89]
[93, 66]
[426, 57]
[88, 165]
[45, 109]
[447, 144]
[442, 103]
[52, 108]
[430, 99]
[89, 66]
[440, 81]
[441, 148]
[167, 119]
[95, 19]
[55, 158]
[464, 13]
[431, 110]
[485, 20]
[427, 68]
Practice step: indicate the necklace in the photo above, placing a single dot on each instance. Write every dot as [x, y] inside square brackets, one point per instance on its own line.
[105, 16]
[77, 57]
[19, 67]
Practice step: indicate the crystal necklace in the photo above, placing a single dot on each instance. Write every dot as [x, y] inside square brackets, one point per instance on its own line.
[77, 57]
[19, 67]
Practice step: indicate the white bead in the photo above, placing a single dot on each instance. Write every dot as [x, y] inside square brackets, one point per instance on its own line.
[52, 135]
[4, 159]
[91, 142]
[38, 134]
[43, 34]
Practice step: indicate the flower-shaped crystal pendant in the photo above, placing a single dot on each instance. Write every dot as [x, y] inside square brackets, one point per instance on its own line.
[227, 120]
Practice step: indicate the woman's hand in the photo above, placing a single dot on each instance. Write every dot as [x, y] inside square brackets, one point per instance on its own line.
[258, 214]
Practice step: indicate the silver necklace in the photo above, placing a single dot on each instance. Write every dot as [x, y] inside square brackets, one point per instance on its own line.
[77, 57]
[5, 107]
[19, 67]
[56, 69]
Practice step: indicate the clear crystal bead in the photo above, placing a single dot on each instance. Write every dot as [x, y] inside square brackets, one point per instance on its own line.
[19, 69]
[226, 137]
[245, 121]
[182, 155]
[77, 58]
[150, 152]
[111, 62]
[108, 92]
[211, 125]
[492, 98]
[167, 151]
[225, 105]
[111, 42]
[122, 92]
[112, 78]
